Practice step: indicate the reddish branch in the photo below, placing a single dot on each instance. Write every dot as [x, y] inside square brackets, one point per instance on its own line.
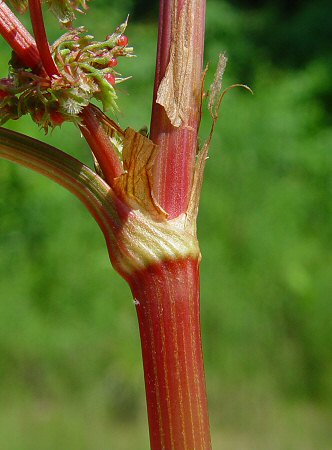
[37, 56]
[99, 142]
[41, 38]
[18, 38]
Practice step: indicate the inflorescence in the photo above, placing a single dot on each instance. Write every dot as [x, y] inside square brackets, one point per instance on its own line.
[86, 70]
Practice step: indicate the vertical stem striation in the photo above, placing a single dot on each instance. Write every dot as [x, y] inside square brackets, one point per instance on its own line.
[178, 144]
[167, 303]
[166, 293]
[100, 144]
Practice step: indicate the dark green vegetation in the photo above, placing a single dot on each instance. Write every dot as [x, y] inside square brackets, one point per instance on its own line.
[70, 368]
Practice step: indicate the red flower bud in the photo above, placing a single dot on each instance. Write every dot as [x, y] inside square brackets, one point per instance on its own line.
[122, 40]
[110, 78]
[112, 62]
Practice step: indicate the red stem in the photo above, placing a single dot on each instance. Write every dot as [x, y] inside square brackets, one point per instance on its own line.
[167, 303]
[38, 26]
[100, 144]
[166, 294]
[173, 169]
[18, 38]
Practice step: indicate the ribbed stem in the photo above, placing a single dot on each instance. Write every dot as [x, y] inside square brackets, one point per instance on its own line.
[167, 302]
[173, 168]
[18, 37]
[70, 173]
[100, 144]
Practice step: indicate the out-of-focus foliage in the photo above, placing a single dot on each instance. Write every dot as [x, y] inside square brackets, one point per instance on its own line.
[70, 370]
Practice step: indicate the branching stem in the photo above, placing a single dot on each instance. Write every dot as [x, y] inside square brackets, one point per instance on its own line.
[155, 256]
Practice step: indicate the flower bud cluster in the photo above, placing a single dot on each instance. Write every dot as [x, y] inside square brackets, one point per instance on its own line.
[86, 70]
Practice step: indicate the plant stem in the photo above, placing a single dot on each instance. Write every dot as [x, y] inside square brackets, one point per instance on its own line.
[41, 38]
[183, 51]
[167, 294]
[25, 47]
[157, 257]
[109, 212]
[18, 38]
[167, 302]
[100, 144]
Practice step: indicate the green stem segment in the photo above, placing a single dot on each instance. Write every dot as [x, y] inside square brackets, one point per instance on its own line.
[166, 296]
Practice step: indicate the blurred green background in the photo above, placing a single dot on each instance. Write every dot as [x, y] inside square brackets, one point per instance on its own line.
[70, 367]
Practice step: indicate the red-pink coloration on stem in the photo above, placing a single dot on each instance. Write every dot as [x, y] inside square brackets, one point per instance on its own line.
[25, 47]
[100, 144]
[173, 171]
[167, 303]
[18, 38]
[166, 291]
[41, 38]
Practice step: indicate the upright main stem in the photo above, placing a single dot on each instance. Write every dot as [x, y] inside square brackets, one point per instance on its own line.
[167, 303]
[173, 169]
[167, 294]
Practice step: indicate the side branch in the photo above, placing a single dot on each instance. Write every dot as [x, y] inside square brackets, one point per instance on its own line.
[100, 144]
[65, 170]
[134, 240]
[18, 38]
[41, 37]
[25, 47]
